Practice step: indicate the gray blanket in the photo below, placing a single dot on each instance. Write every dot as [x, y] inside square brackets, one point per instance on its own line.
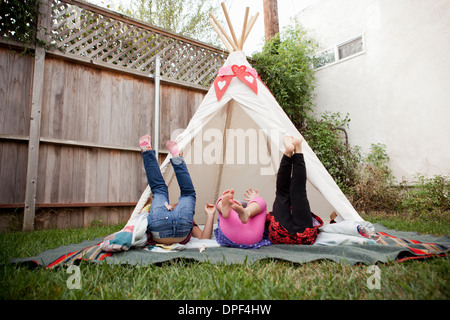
[397, 246]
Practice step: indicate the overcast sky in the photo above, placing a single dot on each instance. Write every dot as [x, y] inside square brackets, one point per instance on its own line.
[236, 10]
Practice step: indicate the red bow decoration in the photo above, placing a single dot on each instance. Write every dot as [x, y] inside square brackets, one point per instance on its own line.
[222, 82]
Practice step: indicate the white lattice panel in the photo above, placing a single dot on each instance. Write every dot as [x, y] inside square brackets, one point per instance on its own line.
[79, 30]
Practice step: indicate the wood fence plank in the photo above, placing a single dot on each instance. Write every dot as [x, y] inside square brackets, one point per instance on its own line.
[114, 176]
[54, 162]
[21, 173]
[127, 108]
[104, 124]
[55, 110]
[14, 93]
[69, 105]
[146, 101]
[8, 158]
[4, 85]
[126, 178]
[116, 106]
[65, 175]
[82, 76]
[91, 175]
[93, 116]
[102, 179]
[79, 175]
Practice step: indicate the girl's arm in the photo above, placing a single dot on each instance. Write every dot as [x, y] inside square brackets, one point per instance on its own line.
[206, 233]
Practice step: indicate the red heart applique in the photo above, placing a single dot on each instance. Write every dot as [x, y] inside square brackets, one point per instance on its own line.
[249, 80]
[238, 69]
[221, 84]
[245, 76]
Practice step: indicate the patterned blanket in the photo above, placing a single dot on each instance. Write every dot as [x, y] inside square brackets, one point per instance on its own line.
[91, 253]
[418, 249]
[390, 248]
[134, 234]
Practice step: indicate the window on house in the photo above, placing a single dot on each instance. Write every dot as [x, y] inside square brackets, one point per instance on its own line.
[324, 58]
[339, 52]
[350, 48]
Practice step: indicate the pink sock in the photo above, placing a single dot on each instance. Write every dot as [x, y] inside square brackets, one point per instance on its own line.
[145, 143]
[173, 148]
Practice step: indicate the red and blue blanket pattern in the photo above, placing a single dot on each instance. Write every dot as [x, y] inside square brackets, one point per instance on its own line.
[410, 249]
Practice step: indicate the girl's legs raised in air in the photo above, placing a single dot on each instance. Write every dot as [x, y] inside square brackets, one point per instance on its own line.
[187, 199]
[154, 177]
[282, 204]
[181, 170]
[291, 207]
[301, 212]
[241, 225]
[227, 203]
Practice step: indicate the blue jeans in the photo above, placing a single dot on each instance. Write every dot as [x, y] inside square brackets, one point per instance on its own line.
[163, 223]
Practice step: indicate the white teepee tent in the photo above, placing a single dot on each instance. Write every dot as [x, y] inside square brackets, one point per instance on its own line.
[235, 140]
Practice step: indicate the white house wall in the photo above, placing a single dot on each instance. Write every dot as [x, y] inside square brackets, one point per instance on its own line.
[397, 91]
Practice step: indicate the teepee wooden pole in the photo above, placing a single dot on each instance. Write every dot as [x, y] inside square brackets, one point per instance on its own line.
[230, 25]
[221, 36]
[224, 32]
[250, 20]
[244, 27]
[251, 24]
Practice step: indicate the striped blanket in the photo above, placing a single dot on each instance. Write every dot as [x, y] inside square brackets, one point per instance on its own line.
[390, 248]
[418, 249]
[91, 253]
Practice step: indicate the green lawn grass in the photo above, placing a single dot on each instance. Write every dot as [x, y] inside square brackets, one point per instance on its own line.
[267, 279]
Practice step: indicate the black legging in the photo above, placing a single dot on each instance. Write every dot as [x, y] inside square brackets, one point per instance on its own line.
[291, 191]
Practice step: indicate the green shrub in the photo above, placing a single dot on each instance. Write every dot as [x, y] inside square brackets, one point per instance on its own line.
[324, 135]
[285, 66]
[19, 22]
[374, 187]
[427, 194]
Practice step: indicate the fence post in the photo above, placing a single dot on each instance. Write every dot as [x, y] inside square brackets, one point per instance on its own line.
[35, 117]
[157, 109]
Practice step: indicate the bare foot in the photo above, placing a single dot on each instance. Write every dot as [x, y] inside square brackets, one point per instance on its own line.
[172, 146]
[297, 142]
[288, 145]
[241, 211]
[226, 203]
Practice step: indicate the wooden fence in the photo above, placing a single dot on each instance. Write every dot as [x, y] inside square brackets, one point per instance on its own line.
[71, 117]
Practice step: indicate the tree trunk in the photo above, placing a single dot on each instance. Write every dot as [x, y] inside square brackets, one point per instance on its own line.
[271, 25]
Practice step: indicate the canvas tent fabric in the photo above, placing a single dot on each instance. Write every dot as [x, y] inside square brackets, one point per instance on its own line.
[237, 142]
